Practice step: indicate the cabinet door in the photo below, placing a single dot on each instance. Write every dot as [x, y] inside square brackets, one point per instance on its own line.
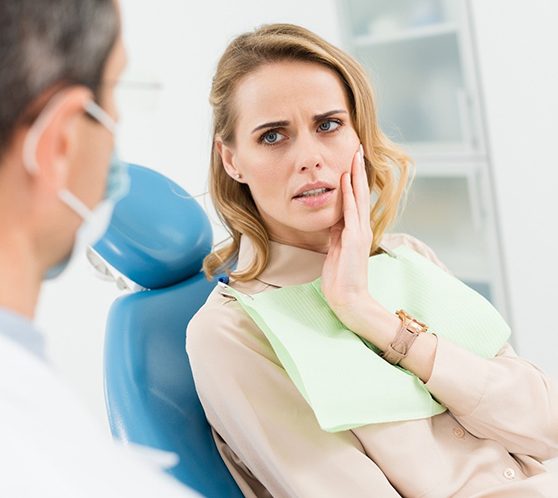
[417, 55]
[449, 213]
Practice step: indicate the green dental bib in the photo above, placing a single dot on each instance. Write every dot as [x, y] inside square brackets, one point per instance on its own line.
[342, 376]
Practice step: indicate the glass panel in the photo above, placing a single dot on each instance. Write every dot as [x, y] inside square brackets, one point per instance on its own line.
[418, 86]
[379, 17]
[411, 51]
[439, 212]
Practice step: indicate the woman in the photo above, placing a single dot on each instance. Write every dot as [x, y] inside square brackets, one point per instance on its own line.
[297, 153]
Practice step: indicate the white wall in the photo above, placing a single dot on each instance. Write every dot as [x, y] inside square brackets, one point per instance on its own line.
[166, 129]
[517, 44]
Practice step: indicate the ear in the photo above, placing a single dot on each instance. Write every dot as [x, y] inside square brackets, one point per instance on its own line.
[228, 158]
[56, 134]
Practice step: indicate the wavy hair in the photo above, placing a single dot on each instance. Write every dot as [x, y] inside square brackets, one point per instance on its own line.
[388, 167]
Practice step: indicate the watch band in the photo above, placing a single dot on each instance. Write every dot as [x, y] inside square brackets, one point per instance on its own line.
[404, 339]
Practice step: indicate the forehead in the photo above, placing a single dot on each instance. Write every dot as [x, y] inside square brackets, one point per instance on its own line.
[277, 90]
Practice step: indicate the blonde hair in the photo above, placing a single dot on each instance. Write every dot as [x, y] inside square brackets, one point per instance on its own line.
[387, 167]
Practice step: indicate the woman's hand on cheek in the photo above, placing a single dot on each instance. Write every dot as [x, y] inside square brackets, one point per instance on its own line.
[345, 271]
[345, 277]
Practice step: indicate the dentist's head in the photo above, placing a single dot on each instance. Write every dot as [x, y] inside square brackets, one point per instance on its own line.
[59, 175]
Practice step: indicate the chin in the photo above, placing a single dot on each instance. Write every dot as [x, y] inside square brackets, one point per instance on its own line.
[318, 222]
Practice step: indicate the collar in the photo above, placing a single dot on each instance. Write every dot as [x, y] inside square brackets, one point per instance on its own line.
[288, 265]
[21, 330]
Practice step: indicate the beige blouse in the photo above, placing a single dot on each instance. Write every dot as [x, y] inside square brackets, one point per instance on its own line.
[501, 422]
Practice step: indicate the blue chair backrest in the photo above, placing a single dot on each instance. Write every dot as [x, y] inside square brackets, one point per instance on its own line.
[158, 238]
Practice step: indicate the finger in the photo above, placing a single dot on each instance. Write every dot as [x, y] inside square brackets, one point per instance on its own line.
[350, 213]
[362, 192]
[355, 179]
[364, 183]
[364, 200]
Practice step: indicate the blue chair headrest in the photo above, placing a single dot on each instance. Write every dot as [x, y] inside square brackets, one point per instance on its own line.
[159, 234]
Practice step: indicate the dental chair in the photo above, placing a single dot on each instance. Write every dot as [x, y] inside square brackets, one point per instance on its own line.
[154, 249]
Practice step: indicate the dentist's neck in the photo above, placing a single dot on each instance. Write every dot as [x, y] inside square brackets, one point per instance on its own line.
[20, 279]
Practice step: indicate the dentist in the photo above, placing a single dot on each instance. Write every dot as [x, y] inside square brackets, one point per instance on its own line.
[59, 180]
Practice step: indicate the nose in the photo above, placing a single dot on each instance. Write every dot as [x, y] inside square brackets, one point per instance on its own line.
[308, 165]
[308, 157]
[308, 153]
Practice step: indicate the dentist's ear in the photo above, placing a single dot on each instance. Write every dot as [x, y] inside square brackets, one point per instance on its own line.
[228, 159]
[52, 138]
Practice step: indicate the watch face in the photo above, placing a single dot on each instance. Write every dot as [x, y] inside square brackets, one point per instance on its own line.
[412, 323]
[415, 327]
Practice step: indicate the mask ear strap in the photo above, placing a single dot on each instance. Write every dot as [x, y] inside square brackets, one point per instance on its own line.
[31, 143]
[36, 130]
[100, 115]
[74, 203]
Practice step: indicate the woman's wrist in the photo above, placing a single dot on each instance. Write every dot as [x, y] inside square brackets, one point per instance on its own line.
[373, 322]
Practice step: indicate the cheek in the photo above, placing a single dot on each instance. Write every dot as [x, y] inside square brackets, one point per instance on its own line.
[343, 152]
[266, 179]
[90, 164]
[110, 98]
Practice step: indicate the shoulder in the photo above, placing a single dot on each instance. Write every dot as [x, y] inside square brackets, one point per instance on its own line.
[393, 240]
[221, 329]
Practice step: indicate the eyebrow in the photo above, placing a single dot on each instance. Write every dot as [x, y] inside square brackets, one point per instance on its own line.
[281, 124]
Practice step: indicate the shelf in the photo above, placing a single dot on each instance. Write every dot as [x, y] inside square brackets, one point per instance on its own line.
[443, 151]
[410, 34]
[443, 170]
[449, 165]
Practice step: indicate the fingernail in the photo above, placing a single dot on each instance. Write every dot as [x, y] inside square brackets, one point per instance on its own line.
[361, 151]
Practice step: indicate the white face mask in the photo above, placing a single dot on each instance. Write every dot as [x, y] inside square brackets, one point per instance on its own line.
[96, 221]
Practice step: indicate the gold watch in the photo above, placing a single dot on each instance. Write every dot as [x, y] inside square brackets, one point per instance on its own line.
[405, 337]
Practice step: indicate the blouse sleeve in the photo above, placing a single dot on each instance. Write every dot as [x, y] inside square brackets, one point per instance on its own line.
[505, 398]
[253, 405]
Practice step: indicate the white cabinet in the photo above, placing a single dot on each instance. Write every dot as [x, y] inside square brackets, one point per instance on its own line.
[419, 55]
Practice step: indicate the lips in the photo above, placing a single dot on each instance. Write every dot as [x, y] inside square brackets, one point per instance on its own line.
[316, 186]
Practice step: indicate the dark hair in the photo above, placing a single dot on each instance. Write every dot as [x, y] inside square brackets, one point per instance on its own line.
[49, 43]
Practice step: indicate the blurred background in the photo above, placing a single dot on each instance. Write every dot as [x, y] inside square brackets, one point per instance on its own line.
[468, 87]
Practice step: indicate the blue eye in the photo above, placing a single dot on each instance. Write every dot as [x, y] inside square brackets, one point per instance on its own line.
[271, 137]
[329, 125]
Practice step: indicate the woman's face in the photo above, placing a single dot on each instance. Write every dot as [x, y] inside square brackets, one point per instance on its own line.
[293, 134]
